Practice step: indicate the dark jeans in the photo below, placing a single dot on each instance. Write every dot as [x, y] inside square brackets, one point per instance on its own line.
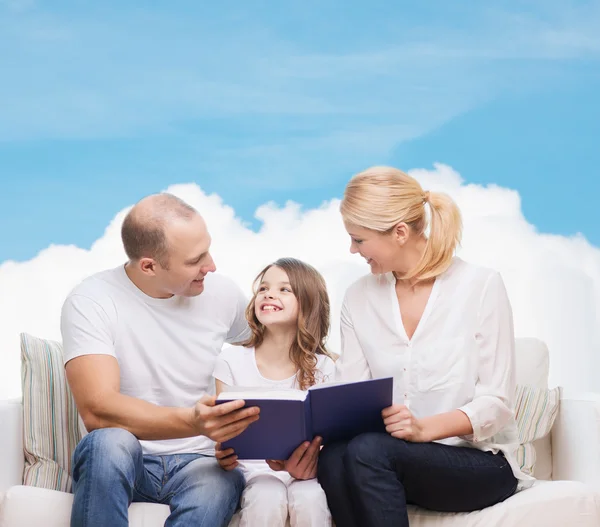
[370, 479]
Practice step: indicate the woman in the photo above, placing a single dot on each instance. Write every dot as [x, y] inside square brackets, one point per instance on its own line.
[443, 329]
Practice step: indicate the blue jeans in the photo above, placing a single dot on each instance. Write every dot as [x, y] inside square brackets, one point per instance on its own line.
[370, 479]
[110, 471]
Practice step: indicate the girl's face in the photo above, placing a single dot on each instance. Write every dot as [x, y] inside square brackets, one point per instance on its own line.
[275, 302]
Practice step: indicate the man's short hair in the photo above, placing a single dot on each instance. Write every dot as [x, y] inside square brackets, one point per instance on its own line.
[143, 229]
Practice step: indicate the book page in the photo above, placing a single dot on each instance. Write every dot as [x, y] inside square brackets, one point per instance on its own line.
[335, 383]
[231, 393]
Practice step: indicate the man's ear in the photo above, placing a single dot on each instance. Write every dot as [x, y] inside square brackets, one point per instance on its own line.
[401, 233]
[147, 266]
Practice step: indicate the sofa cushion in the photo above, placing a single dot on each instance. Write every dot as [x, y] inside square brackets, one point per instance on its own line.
[53, 509]
[51, 428]
[532, 362]
[546, 504]
[535, 410]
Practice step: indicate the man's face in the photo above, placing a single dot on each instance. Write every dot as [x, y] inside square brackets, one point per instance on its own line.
[189, 258]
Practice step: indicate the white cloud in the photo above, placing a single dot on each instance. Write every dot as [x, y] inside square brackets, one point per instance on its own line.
[553, 281]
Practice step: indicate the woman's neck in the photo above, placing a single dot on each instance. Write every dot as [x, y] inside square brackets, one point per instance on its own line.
[412, 252]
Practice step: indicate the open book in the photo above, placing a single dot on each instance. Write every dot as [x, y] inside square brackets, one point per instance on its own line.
[290, 417]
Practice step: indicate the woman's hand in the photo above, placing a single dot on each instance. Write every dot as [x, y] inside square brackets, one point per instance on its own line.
[226, 458]
[401, 423]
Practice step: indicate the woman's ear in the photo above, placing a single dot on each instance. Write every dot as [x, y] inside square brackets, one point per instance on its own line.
[401, 233]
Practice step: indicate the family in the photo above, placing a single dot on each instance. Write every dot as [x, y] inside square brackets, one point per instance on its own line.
[144, 361]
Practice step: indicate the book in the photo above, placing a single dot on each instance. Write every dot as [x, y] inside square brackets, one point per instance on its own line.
[333, 411]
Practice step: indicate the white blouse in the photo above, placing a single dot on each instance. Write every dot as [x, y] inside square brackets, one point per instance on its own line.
[461, 356]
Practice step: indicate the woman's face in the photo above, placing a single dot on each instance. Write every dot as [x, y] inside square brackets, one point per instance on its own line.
[382, 251]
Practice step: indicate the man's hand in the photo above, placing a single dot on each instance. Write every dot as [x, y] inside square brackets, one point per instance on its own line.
[302, 464]
[221, 422]
[401, 423]
[226, 458]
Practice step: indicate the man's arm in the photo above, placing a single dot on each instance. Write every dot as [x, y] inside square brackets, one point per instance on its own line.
[94, 378]
[94, 381]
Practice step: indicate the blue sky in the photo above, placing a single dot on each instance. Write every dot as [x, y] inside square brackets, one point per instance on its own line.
[102, 103]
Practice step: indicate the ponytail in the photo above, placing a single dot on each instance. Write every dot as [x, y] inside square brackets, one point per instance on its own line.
[445, 233]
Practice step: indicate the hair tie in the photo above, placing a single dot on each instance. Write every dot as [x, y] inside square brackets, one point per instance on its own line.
[425, 197]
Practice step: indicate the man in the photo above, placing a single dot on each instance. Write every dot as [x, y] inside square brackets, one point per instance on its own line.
[140, 342]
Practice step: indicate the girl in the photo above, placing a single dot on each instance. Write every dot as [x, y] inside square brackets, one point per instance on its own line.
[289, 320]
[443, 328]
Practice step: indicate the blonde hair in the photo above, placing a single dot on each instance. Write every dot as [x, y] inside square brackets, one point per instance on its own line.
[381, 197]
[309, 288]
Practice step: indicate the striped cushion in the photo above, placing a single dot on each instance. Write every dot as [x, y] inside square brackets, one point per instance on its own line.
[535, 412]
[51, 427]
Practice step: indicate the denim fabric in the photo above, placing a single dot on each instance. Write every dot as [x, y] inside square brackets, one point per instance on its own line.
[370, 479]
[110, 471]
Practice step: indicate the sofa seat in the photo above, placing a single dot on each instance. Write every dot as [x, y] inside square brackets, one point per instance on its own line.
[546, 504]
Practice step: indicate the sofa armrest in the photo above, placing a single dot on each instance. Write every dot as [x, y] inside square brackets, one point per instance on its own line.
[11, 444]
[576, 439]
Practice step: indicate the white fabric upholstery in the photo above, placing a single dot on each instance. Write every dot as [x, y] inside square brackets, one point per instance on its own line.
[11, 444]
[576, 439]
[547, 504]
[53, 509]
[533, 362]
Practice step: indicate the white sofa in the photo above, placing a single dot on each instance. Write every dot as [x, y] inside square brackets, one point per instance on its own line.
[570, 456]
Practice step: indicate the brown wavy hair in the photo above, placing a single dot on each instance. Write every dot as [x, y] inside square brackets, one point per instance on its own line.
[308, 286]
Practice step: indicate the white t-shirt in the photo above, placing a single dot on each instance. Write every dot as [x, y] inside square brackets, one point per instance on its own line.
[236, 366]
[166, 348]
[461, 356]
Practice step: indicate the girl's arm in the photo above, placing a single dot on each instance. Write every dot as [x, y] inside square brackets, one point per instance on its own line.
[219, 387]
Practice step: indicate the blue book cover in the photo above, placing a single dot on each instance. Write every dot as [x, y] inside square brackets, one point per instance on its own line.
[290, 417]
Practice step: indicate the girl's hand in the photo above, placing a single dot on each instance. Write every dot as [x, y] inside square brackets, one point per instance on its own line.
[276, 465]
[302, 464]
[226, 458]
[401, 423]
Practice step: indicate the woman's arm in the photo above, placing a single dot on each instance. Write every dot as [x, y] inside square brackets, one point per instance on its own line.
[491, 407]
[352, 364]
[449, 424]
[401, 423]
